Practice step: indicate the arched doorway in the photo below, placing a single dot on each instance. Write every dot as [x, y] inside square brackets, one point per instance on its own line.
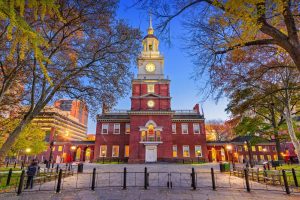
[88, 154]
[213, 155]
[78, 154]
[223, 157]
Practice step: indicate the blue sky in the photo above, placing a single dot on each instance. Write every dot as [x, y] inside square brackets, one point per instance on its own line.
[178, 67]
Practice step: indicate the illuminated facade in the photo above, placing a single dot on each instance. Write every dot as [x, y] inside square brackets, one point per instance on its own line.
[65, 124]
[151, 131]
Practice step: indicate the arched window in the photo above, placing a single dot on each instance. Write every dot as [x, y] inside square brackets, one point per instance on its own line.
[151, 133]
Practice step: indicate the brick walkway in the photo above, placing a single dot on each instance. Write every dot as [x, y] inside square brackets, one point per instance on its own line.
[228, 187]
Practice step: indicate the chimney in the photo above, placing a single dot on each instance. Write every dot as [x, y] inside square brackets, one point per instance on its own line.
[196, 108]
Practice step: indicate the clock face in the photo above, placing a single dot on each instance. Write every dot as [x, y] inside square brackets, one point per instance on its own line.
[150, 67]
[150, 103]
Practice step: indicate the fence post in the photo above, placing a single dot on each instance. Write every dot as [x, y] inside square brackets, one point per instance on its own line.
[286, 185]
[22, 165]
[247, 180]
[9, 177]
[59, 181]
[7, 164]
[52, 164]
[213, 179]
[21, 183]
[145, 179]
[57, 167]
[15, 164]
[93, 179]
[295, 177]
[193, 179]
[124, 178]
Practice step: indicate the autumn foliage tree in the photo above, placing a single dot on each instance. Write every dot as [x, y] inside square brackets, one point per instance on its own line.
[216, 27]
[218, 130]
[89, 55]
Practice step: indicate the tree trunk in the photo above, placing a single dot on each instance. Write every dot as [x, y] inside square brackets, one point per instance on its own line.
[289, 122]
[12, 138]
[278, 148]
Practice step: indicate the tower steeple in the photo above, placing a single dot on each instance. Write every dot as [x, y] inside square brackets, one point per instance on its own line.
[150, 29]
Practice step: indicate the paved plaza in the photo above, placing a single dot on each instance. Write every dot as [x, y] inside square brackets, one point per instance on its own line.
[109, 185]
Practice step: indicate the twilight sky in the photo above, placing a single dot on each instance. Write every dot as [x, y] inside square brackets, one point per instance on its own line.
[178, 67]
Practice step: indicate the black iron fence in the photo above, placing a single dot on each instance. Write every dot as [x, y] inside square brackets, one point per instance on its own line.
[63, 179]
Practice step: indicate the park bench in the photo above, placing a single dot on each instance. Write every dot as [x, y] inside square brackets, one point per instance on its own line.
[272, 176]
[238, 171]
[254, 174]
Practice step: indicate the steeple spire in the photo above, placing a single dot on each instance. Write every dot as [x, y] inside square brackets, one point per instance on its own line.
[150, 29]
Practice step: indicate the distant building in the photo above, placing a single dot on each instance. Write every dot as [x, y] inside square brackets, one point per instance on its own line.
[65, 124]
[76, 108]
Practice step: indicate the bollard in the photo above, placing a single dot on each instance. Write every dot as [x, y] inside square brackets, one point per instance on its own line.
[145, 179]
[247, 180]
[193, 179]
[59, 181]
[295, 177]
[15, 164]
[268, 165]
[22, 165]
[286, 185]
[52, 165]
[21, 183]
[9, 177]
[213, 179]
[7, 164]
[57, 168]
[93, 179]
[69, 169]
[124, 178]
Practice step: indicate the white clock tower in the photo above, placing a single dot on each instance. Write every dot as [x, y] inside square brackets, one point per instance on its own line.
[150, 62]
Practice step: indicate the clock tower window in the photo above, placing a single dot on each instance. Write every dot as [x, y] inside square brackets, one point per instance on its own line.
[150, 88]
[150, 47]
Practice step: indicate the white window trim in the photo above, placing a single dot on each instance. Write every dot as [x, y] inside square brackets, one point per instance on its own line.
[200, 151]
[115, 124]
[112, 152]
[100, 155]
[187, 128]
[196, 124]
[102, 128]
[172, 128]
[176, 151]
[183, 151]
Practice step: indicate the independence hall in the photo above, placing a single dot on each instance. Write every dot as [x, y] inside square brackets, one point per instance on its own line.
[151, 131]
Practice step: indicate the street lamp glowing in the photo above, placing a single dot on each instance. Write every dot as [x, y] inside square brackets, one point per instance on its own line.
[27, 150]
[67, 133]
[73, 148]
[228, 147]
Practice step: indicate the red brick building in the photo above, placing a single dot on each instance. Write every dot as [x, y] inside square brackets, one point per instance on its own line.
[151, 131]
[237, 150]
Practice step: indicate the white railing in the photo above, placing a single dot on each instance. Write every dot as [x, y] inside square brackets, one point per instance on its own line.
[185, 111]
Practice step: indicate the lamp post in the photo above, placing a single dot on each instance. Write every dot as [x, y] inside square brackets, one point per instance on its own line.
[228, 148]
[73, 148]
[247, 143]
[27, 151]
